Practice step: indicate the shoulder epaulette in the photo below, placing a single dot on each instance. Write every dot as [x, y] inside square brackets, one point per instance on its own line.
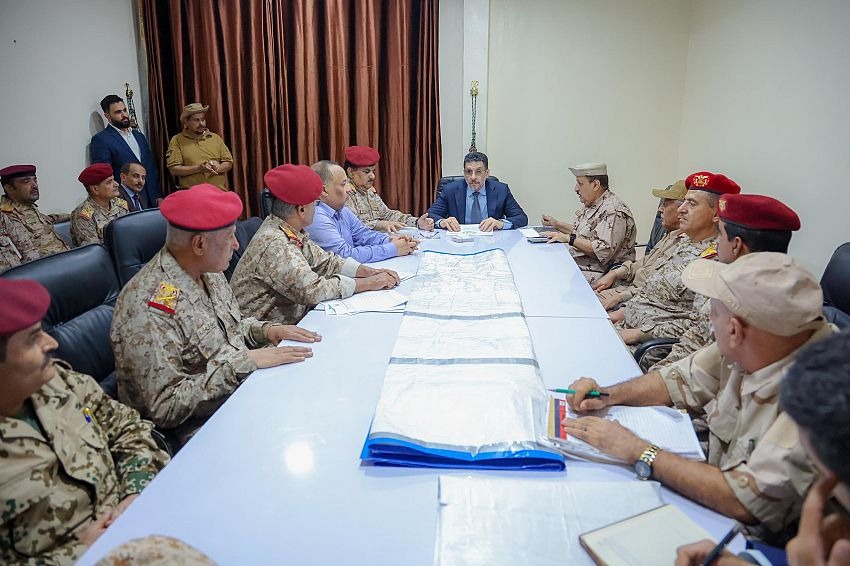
[165, 297]
[86, 212]
[7, 206]
[293, 237]
[710, 252]
[122, 203]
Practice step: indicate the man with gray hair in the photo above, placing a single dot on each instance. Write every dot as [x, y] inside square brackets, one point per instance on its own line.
[181, 344]
[283, 273]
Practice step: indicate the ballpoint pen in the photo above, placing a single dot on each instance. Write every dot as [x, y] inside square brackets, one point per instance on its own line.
[593, 393]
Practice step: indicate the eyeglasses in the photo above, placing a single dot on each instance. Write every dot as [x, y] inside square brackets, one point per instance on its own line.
[430, 235]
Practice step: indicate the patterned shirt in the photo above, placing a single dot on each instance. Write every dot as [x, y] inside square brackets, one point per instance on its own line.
[751, 440]
[663, 308]
[370, 208]
[16, 246]
[61, 469]
[88, 220]
[632, 275]
[282, 274]
[39, 226]
[342, 233]
[180, 349]
[609, 225]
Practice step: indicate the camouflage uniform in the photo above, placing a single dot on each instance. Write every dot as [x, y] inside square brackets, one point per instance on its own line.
[608, 223]
[663, 308]
[16, 246]
[180, 350]
[754, 444]
[155, 550]
[88, 220]
[39, 226]
[282, 274]
[697, 336]
[370, 208]
[632, 275]
[60, 471]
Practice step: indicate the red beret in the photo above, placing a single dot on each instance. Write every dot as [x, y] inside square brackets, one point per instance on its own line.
[202, 208]
[712, 182]
[294, 184]
[362, 155]
[24, 303]
[94, 174]
[757, 212]
[13, 171]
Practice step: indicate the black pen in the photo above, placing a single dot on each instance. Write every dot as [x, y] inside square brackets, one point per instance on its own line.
[715, 553]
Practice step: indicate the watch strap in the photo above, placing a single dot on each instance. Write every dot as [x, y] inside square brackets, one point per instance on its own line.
[572, 238]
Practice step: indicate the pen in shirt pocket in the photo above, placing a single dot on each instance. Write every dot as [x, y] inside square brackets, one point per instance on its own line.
[751, 445]
[88, 414]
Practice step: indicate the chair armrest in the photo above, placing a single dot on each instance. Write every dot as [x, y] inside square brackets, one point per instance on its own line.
[656, 344]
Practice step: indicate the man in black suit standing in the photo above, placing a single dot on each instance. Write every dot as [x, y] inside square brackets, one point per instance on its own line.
[118, 144]
[476, 199]
[132, 187]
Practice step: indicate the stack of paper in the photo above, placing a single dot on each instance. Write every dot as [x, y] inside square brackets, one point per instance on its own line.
[469, 230]
[665, 427]
[388, 300]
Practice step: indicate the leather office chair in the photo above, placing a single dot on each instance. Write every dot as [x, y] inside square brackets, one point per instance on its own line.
[835, 283]
[245, 230]
[83, 289]
[63, 230]
[655, 234]
[266, 202]
[133, 239]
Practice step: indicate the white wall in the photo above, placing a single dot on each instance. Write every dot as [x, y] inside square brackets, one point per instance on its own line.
[451, 85]
[767, 101]
[58, 60]
[573, 81]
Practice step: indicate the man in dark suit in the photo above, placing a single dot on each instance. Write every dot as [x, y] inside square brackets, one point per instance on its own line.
[118, 144]
[477, 200]
[132, 187]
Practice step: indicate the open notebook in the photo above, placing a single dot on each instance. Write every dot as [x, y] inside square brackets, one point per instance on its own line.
[664, 426]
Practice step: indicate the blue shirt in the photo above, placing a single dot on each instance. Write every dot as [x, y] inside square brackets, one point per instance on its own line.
[342, 233]
[483, 204]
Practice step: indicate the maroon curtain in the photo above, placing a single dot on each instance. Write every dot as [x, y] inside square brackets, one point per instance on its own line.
[298, 81]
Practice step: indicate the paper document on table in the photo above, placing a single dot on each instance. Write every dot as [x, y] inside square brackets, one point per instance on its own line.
[665, 427]
[405, 275]
[368, 301]
[498, 521]
[470, 230]
[535, 231]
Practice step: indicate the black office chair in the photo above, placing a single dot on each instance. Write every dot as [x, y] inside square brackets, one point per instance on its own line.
[83, 289]
[446, 180]
[63, 230]
[835, 283]
[266, 202]
[133, 239]
[245, 230]
[656, 233]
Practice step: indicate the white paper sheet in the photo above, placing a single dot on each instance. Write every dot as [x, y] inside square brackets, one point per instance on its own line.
[470, 230]
[388, 300]
[496, 521]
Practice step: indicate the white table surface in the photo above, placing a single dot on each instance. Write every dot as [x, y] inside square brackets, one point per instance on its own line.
[275, 475]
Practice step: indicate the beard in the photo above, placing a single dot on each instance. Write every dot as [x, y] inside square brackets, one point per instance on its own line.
[125, 123]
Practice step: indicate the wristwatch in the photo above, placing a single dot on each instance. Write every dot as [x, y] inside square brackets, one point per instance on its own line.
[643, 466]
[572, 238]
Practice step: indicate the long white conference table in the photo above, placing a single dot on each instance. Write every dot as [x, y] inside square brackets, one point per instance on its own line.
[275, 476]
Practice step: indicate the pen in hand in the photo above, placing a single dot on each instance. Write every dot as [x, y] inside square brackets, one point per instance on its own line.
[593, 393]
[718, 550]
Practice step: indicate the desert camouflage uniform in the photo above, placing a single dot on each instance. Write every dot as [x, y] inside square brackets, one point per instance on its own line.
[370, 208]
[697, 336]
[39, 226]
[88, 220]
[663, 308]
[754, 444]
[632, 275]
[16, 246]
[60, 471]
[608, 223]
[180, 350]
[155, 550]
[283, 273]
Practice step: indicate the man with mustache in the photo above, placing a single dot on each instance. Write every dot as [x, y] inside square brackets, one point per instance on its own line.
[196, 155]
[101, 207]
[118, 143]
[133, 179]
[73, 458]
[18, 204]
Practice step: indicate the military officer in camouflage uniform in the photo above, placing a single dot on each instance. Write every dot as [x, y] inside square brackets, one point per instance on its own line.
[18, 205]
[16, 247]
[102, 206]
[622, 283]
[663, 308]
[363, 200]
[765, 308]
[72, 458]
[181, 344]
[603, 233]
[748, 224]
[283, 273]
